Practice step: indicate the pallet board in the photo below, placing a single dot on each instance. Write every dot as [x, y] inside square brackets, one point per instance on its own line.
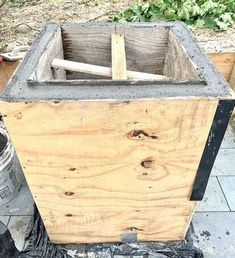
[108, 160]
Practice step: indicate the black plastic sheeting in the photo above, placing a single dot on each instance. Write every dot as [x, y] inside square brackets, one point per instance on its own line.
[7, 246]
[178, 249]
[39, 246]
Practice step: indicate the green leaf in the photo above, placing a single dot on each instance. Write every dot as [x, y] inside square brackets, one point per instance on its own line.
[221, 25]
[196, 10]
[199, 23]
[170, 14]
[184, 13]
[226, 17]
[208, 5]
[212, 14]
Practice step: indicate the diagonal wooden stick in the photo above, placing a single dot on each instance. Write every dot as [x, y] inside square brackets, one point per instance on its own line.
[101, 70]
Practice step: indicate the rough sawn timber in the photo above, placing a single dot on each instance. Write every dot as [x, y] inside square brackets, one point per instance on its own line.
[98, 169]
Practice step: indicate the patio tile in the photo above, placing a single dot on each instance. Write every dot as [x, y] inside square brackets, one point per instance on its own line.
[228, 185]
[4, 219]
[214, 234]
[22, 204]
[213, 199]
[224, 163]
[229, 139]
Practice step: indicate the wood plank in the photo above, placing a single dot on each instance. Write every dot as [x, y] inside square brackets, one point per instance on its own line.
[232, 78]
[98, 169]
[118, 222]
[118, 58]
[101, 70]
[224, 62]
[177, 64]
[6, 71]
[53, 50]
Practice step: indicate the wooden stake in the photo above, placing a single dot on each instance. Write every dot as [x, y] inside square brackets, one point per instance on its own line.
[118, 58]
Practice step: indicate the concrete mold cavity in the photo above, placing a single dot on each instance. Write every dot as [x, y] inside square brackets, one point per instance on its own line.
[149, 50]
[163, 48]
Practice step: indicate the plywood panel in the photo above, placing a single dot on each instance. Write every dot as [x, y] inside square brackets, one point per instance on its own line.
[224, 62]
[99, 169]
[109, 226]
[54, 50]
[6, 71]
[177, 63]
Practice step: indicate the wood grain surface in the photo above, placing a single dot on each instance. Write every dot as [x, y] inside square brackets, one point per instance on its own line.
[177, 64]
[98, 169]
[224, 62]
[6, 70]
[118, 58]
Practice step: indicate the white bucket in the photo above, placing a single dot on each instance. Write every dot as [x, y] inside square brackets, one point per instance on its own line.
[10, 180]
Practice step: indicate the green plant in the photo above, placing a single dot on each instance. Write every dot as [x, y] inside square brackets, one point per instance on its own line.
[2, 2]
[213, 14]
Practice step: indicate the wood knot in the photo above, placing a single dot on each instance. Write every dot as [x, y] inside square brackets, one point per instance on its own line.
[69, 215]
[147, 163]
[18, 116]
[141, 135]
[69, 193]
[72, 169]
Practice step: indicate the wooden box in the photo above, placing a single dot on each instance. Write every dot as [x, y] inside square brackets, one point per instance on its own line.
[111, 160]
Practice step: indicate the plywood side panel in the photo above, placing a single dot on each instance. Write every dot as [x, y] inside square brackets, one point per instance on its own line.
[6, 71]
[54, 50]
[99, 169]
[145, 47]
[177, 64]
[159, 224]
[224, 62]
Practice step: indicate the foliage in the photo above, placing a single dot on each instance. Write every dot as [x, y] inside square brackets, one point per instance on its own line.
[16, 3]
[213, 14]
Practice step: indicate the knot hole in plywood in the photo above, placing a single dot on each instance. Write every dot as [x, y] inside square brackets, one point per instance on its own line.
[148, 162]
[141, 135]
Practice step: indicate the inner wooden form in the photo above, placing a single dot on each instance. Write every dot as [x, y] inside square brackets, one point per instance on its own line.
[149, 50]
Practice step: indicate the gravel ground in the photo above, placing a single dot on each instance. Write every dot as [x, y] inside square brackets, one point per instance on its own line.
[20, 25]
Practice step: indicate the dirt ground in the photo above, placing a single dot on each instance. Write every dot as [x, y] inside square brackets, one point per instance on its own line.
[20, 25]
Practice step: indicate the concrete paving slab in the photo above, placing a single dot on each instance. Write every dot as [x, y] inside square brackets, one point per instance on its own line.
[213, 199]
[214, 233]
[3, 227]
[228, 185]
[22, 204]
[229, 138]
[18, 227]
[224, 163]
[4, 220]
